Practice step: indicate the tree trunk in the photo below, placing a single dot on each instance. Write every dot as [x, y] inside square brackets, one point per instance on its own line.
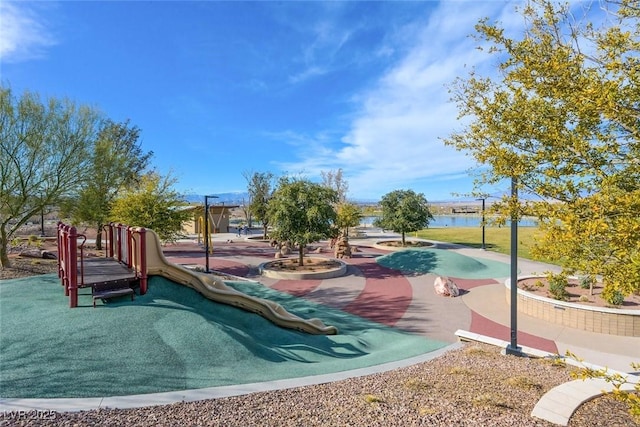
[4, 254]
[264, 227]
[300, 255]
[99, 238]
[404, 243]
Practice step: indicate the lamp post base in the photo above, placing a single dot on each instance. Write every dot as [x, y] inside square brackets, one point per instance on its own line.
[513, 351]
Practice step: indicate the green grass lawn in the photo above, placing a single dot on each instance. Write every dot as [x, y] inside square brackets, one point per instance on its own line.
[497, 239]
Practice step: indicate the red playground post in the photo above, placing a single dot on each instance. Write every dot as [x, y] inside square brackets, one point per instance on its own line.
[68, 261]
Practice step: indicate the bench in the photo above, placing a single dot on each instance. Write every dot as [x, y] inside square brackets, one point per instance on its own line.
[108, 290]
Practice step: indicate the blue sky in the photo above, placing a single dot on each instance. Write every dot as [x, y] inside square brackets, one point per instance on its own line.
[219, 89]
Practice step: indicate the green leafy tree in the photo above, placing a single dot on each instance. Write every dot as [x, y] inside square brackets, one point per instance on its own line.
[44, 153]
[302, 212]
[404, 211]
[117, 162]
[260, 188]
[153, 204]
[561, 118]
[347, 215]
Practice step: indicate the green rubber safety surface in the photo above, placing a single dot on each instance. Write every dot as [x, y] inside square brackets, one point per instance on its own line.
[172, 338]
[443, 263]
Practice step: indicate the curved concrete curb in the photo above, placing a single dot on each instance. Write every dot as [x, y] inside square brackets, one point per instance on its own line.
[558, 404]
[307, 275]
[377, 245]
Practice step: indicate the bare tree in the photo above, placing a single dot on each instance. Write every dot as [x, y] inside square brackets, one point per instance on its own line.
[335, 180]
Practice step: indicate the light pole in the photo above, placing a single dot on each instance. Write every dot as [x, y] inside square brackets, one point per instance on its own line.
[206, 230]
[513, 348]
[483, 241]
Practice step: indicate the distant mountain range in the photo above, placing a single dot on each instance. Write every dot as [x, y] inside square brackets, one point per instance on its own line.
[239, 198]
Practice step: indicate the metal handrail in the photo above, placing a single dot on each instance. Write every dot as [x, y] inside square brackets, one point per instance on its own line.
[81, 247]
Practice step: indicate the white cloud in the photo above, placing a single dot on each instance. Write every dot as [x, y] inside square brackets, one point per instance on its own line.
[395, 138]
[325, 40]
[23, 32]
[321, 43]
[307, 73]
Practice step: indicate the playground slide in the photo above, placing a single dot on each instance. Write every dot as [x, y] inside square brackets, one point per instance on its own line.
[214, 289]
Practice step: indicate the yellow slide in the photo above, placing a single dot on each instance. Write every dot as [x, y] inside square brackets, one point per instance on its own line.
[214, 289]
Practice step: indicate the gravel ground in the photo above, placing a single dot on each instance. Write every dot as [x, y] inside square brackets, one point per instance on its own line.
[471, 386]
[23, 267]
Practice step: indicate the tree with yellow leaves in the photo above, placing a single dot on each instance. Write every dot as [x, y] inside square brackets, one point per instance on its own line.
[563, 119]
[153, 204]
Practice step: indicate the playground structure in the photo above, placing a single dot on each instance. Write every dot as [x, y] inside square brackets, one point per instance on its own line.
[116, 274]
[201, 231]
[134, 254]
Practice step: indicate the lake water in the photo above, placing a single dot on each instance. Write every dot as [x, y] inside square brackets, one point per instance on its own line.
[441, 221]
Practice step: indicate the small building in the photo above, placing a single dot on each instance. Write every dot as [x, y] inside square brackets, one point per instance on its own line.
[219, 216]
[465, 210]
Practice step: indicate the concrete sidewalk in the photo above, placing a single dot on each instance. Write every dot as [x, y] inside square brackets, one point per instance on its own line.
[612, 351]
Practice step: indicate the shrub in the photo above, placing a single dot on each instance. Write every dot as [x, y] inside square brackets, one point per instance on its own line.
[557, 286]
[528, 287]
[523, 382]
[33, 239]
[587, 282]
[372, 398]
[416, 384]
[476, 350]
[613, 296]
[460, 370]
[427, 411]
[490, 399]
